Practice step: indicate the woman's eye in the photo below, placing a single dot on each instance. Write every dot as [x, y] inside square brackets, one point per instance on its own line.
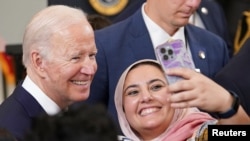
[156, 87]
[132, 92]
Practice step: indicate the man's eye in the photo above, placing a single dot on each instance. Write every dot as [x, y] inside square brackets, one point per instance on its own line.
[75, 58]
[92, 55]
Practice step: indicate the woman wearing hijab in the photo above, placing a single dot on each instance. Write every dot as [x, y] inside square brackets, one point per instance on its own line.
[150, 109]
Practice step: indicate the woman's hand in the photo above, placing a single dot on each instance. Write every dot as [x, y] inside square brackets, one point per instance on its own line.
[197, 90]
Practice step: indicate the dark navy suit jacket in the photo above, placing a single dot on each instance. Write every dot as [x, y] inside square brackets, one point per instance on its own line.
[121, 44]
[213, 18]
[215, 21]
[235, 75]
[17, 112]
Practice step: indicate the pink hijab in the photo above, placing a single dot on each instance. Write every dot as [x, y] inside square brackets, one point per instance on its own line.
[183, 125]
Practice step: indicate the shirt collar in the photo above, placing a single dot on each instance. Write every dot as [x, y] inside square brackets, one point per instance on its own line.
[157, 34]
[47, 103]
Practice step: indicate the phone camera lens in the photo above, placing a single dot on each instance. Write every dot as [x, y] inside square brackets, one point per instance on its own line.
[170, 51]
[163, 50]
[165, 57]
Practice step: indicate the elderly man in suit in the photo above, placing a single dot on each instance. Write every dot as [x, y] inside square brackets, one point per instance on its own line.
[59, 55]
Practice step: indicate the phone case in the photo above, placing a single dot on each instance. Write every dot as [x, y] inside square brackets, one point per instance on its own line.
[172, 54]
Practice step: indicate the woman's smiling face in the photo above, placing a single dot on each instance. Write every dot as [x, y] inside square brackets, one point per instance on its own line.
[145, 94]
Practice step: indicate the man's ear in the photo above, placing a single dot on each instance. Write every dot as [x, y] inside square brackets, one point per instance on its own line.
[38, 63]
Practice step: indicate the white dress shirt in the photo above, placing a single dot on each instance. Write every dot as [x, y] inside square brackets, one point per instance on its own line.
[47, 104]
[159, 36]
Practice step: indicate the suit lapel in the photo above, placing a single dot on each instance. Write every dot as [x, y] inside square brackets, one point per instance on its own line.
[141, 44]
[199, 53]
[142, 47]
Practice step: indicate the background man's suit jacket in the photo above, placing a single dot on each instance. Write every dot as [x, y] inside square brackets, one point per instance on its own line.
[210, 12]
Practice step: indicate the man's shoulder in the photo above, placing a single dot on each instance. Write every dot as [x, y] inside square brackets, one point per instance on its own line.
[19, 103]
[202, 33]
[127, 26]
[123, 25]
[12, 114]
[11, 107]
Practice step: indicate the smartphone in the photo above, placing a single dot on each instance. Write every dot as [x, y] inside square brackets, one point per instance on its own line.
[173, 53]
